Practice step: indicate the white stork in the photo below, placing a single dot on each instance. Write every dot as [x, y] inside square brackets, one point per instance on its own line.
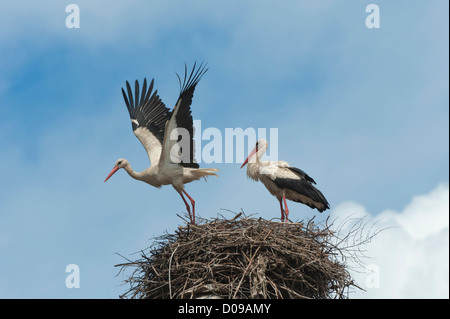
[171, 157]
[284, 181]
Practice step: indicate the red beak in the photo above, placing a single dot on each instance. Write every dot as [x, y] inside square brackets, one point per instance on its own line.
[115, 169]
[249, 155]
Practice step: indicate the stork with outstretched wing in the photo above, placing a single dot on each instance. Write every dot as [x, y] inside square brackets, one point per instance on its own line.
[166, 135]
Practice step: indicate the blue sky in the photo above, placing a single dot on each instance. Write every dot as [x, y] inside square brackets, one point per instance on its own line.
[363, 111]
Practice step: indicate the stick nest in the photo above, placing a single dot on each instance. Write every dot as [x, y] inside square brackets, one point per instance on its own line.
[243, 257]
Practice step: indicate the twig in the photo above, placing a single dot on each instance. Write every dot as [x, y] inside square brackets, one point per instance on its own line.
[170, 264]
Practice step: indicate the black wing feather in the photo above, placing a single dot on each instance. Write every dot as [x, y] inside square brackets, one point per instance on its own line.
[184, 116]
[305, 188]
[302, 174]
[148, 110]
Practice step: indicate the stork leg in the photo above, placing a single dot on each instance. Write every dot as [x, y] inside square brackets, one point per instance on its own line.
[187, 205]
[282, 210]
[286, 211]
[193, 206]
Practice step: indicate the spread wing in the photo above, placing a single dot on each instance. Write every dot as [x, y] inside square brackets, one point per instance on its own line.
[179, 144]
[148, 118]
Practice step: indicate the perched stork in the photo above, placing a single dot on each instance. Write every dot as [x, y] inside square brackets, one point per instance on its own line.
[166, 135]
[284, 181]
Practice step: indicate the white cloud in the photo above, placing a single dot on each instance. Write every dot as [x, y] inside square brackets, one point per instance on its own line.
[411, 257]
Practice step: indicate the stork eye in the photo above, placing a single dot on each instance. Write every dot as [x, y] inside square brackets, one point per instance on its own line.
[119, 162]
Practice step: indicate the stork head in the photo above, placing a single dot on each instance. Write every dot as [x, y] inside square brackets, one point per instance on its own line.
[120, 163]
[259, 149]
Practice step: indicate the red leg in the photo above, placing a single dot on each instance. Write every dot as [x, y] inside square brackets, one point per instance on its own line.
[286, 212]
[187, 205]
[282, 210]
[193, 206]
